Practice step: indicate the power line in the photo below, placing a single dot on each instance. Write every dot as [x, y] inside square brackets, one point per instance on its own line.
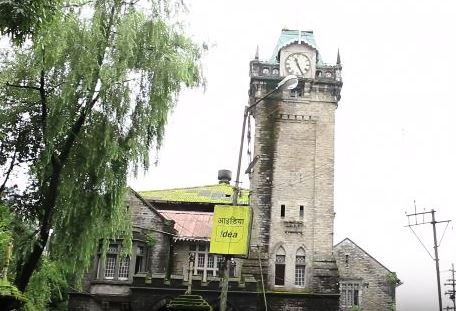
[424, 220]
[424, 246]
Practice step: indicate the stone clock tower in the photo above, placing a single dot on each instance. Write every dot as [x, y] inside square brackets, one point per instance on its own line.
[292, 184]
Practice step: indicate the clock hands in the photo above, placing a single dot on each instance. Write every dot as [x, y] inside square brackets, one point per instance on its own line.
[297, 64]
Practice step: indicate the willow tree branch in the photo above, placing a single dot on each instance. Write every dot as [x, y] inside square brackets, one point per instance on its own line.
[79, 5]
[43, 101]
[58, 161]
[23, 86]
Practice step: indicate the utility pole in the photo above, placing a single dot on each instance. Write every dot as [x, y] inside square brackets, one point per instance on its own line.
[424, 220]
[225, 283]
[452, 292]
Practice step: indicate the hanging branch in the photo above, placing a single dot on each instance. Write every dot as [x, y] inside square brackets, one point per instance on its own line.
[43, 102]
[10, 169]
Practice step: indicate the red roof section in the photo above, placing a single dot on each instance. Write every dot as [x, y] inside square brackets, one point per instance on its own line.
[191, 225]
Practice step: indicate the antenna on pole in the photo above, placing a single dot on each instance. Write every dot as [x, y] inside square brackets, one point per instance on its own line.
[452, 291]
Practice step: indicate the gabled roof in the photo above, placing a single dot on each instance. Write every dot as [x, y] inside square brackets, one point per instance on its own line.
[191, 225]
[357, 246]
[212, 194]
[149, 206]
[288, 37]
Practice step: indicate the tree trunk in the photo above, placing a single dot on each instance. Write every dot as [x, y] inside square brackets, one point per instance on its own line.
[48, 205]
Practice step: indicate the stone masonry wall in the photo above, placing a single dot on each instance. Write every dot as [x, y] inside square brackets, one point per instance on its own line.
[144, 217]
[303, 176]
[260, 199]
[294, 138]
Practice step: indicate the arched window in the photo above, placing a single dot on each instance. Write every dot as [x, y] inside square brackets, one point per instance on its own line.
[280, 267]
[300, 267]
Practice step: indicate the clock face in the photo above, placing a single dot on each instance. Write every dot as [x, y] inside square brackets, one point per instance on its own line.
[297, 64]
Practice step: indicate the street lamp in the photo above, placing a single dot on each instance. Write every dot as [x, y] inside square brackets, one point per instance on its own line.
[288, 83]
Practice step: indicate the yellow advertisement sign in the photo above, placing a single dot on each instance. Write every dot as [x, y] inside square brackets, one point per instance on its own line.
[230, 230]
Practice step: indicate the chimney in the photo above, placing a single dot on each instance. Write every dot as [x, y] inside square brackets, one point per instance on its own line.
[224, 176]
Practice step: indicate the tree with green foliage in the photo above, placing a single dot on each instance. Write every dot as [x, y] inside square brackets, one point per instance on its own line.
[22, 18]
[82, 104]
[8, 292]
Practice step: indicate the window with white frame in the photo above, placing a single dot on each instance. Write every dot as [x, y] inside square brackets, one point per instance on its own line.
[349, 294]
[114, 266]
[300, 267]
[205, 264]
[110, 266]
[124, 267]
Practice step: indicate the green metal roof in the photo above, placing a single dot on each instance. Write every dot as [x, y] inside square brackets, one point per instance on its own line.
[216, 194]
[288, 37]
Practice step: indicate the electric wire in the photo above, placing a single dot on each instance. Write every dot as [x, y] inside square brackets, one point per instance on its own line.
[421, 242]
[443, 233]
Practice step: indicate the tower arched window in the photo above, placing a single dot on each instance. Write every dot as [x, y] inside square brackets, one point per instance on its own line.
[280, 267]
[300, 267]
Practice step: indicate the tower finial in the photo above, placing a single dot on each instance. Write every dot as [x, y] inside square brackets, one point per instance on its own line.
[257, 53]
[338, 57]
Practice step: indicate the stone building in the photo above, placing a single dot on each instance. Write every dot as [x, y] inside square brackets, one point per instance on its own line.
[168, 225]
[292, 264]
[173, 223]
[364, 281]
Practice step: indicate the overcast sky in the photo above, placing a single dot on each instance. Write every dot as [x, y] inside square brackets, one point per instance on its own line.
[395, 134]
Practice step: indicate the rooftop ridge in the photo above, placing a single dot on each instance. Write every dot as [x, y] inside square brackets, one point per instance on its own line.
[193, 187]
[209, 194]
